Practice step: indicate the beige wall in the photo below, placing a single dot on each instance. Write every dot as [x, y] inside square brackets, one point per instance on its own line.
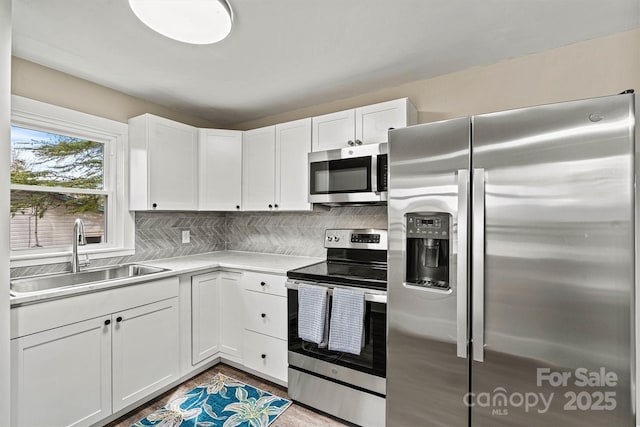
[54, 87]
[603, 66]
[596, 67]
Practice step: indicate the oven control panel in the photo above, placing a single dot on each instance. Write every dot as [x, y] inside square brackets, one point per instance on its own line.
[356, 239]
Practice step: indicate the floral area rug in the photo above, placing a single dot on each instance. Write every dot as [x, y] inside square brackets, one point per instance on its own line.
[222, 401]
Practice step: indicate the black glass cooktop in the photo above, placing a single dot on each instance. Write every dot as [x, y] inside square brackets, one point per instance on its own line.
[343, 273]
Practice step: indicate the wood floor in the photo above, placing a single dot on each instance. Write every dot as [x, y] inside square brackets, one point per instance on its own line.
[295, 416]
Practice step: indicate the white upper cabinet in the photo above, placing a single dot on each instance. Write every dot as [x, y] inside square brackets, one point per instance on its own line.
[374, 121]
[259, 169]
[274, 167]
[163, 170]
[293, 143]
[364, 125]
[220, 170]
[334, 130]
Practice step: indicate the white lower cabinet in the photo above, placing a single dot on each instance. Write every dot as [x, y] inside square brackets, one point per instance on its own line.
[71, 369]
[231, 312]
[265, 354]
[265, 323]
[62, 377]
[240, 316]
[266, 314]
[145, 351]
[205, 316]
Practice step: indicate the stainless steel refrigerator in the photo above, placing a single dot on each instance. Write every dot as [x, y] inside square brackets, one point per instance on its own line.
[511, 268]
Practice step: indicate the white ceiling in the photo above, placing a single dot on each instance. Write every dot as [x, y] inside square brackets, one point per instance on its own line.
[288, 54]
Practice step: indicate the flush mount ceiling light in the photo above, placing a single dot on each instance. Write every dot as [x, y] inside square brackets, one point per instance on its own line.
[188, 21]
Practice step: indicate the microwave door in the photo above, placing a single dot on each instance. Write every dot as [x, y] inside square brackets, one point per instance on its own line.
[341, 176]
[336, 179]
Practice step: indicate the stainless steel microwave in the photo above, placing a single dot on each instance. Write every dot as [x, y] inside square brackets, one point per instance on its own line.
[349, 175]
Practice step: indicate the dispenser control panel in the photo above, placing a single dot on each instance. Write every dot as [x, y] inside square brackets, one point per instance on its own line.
[428, 250]
[430, 226]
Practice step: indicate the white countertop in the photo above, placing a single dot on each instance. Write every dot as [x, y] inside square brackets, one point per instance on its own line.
[266, 263]
[234, 260]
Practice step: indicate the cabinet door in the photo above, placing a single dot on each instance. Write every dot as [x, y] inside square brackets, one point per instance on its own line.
[172, 165]
[232, 311]
[62, 377]
[258, 169]
[145, 351]
[293, 143]
[205, 316]
[220, 170]
[333, 130]
[374, 121]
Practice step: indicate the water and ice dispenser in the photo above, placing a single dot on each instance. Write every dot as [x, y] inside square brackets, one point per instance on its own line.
[427, 249]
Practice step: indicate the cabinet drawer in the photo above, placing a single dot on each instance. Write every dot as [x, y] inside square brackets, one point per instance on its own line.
[266, 314]
[265, 354]
[265, 283]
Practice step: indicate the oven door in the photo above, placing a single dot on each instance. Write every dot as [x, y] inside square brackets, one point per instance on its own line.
[346, 175]
[366, 370]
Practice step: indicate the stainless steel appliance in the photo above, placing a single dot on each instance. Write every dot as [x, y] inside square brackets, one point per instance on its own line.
[511, 268]
[355, 174]
[346, 385]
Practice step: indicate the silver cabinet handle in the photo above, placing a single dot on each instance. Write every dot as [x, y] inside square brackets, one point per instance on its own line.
[478, 264]
[462, 267]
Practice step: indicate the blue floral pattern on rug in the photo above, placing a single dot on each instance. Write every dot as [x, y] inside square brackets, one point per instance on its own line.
[222, 401]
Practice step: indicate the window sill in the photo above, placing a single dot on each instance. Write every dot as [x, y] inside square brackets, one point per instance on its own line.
[27, 260]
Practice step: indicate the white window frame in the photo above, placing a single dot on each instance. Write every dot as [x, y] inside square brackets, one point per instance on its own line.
[37, 115]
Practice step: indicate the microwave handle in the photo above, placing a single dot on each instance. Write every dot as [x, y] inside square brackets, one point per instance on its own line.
[374, 174]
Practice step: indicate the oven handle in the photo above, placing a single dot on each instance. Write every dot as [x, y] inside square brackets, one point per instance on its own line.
[368, 296]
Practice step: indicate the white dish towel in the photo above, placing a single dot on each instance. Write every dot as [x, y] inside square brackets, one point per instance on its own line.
[312, 313]
[347, 320]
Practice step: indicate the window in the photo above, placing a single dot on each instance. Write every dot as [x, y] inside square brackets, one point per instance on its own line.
[66, 165]
[43, 166]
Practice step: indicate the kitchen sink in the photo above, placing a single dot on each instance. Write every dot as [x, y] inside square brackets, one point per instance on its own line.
[65, 280]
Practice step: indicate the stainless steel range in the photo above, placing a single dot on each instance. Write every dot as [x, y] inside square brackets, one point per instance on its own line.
[343, 384]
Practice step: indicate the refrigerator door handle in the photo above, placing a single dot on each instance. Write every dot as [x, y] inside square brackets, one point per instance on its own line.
[462, 271]
[478, 201]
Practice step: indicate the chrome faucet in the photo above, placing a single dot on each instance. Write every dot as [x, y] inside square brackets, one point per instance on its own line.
[79, 238]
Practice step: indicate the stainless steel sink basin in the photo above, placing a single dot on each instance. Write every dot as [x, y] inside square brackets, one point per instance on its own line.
[64, 280]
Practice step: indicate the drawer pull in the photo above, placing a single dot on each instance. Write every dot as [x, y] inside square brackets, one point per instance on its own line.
[263, 315]
[264, 356]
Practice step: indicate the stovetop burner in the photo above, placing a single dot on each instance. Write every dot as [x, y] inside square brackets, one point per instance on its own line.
[344, 273]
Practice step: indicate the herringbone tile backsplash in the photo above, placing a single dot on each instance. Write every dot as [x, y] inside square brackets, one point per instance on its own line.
[296, 233]
[159, 234]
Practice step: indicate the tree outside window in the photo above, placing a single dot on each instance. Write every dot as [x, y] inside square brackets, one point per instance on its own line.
[55, 179]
